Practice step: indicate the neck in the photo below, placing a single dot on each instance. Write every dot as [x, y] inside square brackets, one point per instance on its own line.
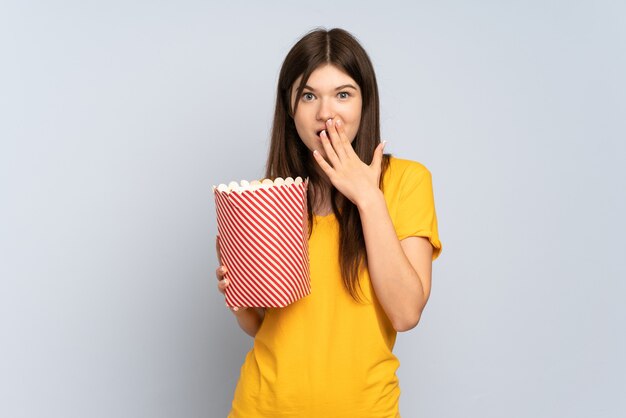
[320, 190]
[320, 201]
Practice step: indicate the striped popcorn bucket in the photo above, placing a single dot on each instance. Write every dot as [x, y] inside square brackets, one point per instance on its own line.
[263, 241]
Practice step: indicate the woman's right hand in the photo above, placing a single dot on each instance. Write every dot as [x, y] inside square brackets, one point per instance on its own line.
[222, 282]
[220, 273]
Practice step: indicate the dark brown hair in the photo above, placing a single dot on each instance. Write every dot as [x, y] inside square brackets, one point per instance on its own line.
[289, 156]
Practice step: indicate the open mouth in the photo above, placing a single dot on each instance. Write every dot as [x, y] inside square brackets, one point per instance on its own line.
[319, 133]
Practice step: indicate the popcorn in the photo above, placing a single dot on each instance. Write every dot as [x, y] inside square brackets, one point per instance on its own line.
[263, 239]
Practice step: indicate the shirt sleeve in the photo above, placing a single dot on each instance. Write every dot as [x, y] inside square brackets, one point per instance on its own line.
[416, 215]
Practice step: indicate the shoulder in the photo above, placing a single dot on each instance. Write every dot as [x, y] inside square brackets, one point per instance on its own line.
[401, 170]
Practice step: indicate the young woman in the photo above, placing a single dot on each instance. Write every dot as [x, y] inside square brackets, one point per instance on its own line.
[373, 237]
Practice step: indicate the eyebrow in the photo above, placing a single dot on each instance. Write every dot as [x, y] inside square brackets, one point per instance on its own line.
[343, 86]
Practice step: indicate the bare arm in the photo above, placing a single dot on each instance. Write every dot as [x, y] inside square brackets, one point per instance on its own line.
[400, 270]
[250, 320]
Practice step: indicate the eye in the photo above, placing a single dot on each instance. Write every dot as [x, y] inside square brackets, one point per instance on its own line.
[343, 95]
[307, 97]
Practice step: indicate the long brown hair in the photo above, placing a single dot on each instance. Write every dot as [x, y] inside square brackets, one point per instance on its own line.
[289, 156]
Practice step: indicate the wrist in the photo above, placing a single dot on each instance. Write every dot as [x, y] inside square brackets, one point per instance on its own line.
[369, 199]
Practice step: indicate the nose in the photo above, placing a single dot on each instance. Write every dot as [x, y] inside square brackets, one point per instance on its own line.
[325, 110]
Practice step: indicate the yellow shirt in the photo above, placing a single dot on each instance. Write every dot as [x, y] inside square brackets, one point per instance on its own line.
[327, 356]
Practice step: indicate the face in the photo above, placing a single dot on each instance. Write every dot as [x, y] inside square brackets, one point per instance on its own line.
[329, 93]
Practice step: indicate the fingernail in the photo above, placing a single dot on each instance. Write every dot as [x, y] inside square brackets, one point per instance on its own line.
[384, 142]
[323, 132]
[329, 122]
[338, 123]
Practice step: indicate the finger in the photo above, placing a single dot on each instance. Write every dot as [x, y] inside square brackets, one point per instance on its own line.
[335, 139]
[222, 285]
[346, 146]
[322, 162]
[328, 148]
[221, 272]
[378, 156]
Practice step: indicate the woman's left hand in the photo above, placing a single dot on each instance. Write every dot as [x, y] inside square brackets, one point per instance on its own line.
[351, 176]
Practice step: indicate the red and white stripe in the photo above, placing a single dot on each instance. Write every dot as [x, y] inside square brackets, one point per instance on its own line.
[263, 239]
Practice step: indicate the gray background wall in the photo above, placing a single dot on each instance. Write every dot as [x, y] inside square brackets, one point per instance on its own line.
[117, 117]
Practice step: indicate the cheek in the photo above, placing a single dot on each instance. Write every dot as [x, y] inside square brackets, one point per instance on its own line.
[355, 117]
[355, 124]
[302, 118]
[302, 129]
[298, 122]
[352, 130]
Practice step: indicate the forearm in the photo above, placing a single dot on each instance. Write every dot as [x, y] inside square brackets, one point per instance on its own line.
[250, 320]
[397, 285]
